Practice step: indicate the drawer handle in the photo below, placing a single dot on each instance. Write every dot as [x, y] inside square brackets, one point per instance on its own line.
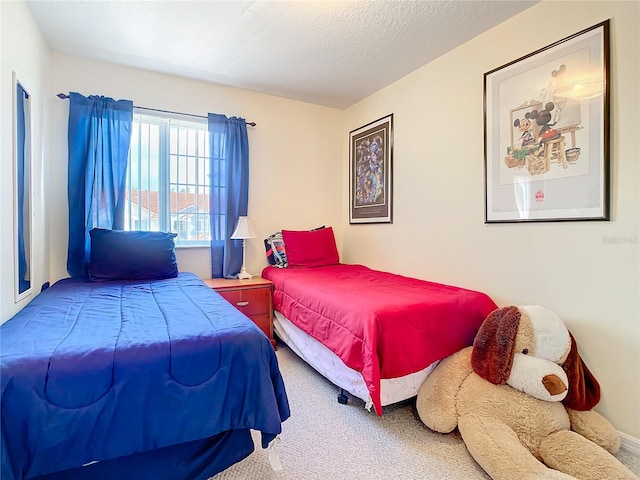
[242, 304]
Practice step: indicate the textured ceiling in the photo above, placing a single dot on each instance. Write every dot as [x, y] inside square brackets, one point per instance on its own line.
[331, 53]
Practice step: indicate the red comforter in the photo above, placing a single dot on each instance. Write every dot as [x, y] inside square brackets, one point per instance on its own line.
[380, 324]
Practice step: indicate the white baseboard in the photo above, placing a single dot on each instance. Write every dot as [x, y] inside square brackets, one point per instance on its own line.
[629, 443]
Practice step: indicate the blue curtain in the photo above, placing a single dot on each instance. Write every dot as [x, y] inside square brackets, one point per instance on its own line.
[99, 139]
[21, 140]
[229, 150]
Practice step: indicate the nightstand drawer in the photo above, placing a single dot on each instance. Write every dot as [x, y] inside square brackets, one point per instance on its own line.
[252, 297]
[253, 301]
[264, 323]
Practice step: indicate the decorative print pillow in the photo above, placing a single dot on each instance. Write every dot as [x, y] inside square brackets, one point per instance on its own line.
[275, 250]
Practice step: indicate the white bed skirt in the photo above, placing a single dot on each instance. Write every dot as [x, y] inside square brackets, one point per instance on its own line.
[329, 365]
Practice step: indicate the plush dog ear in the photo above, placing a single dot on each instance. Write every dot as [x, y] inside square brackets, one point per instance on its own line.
[584, 390]
[493, 347]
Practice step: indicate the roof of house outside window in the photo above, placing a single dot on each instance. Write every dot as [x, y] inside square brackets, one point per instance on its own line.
[180, 202]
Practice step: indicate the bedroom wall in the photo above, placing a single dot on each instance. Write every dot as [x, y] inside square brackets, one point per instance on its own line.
[587, 272]
[295, 150]
[23, 50]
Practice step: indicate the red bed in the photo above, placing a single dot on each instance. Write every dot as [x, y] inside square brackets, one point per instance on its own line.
[382, 325]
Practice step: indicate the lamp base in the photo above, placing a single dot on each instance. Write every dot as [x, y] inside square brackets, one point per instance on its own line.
[244, 275]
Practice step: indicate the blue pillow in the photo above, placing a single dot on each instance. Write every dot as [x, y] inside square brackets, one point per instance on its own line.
[132, 255]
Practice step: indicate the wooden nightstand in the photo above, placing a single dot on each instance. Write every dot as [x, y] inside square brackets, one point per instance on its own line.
[253, 297]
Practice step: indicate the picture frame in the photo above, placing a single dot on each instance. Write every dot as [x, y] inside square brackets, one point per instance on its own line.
[371, 172]
[546, 133]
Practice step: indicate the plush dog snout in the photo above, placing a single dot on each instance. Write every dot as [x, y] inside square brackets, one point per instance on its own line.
[553, 384]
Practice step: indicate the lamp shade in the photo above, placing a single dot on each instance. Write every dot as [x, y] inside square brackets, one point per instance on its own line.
[243, 229]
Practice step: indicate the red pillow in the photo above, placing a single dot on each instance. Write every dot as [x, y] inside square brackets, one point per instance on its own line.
[315, 248]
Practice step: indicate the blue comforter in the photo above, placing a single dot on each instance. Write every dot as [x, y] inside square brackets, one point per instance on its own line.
[97, 371]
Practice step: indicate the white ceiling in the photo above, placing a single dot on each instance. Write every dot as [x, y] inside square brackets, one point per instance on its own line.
[330, 52]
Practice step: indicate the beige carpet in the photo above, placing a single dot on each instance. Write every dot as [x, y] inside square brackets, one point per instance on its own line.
[325, 440]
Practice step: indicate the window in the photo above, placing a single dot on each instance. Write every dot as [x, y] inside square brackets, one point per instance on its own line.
[169, 178]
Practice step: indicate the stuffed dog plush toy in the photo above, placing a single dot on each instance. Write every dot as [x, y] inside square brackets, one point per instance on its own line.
[521, 398]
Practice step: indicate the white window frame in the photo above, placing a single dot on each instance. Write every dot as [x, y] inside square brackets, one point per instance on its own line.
[169, 149]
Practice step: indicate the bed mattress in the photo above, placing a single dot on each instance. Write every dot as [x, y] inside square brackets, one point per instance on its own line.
[97, 371]
[383, 325]
[329, 365]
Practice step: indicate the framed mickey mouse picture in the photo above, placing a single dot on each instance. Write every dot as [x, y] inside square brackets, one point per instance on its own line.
[546, 125]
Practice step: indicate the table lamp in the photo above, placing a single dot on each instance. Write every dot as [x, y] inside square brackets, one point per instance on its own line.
[242, 232]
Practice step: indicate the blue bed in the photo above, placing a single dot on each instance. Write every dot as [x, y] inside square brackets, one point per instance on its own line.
[154, 379]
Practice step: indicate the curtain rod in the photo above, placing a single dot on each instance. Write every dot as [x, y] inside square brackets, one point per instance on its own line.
[253, 124]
